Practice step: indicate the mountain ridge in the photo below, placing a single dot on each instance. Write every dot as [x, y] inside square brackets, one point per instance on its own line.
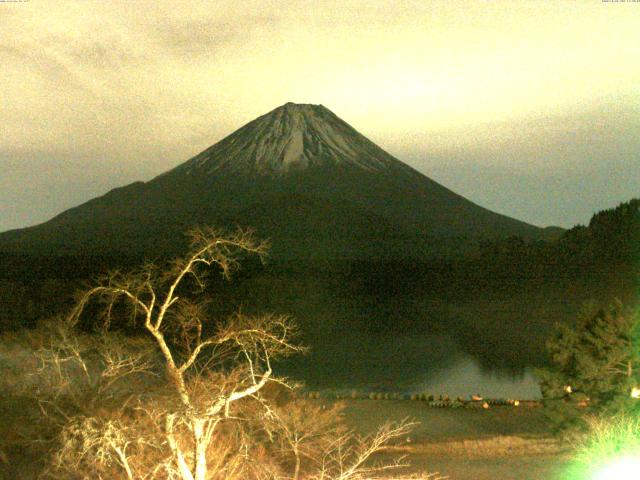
[303, 154]
[290, 137]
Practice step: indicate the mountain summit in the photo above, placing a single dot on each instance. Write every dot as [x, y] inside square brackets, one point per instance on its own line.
[298, 175]
[291, 137]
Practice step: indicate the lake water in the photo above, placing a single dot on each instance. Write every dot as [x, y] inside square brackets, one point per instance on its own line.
[466, 378]
[430, 364]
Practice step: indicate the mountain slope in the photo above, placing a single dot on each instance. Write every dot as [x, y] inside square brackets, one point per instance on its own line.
[301, 176]
[291, 137]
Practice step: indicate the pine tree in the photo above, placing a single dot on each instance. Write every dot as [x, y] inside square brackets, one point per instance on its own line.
[595, 367]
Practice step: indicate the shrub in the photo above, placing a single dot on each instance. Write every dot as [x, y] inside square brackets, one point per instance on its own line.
[610, 448]
[595, 367]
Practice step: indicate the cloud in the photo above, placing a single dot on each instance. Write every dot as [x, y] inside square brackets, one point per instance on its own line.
[208, 36]
[138, 87]
[110, 53]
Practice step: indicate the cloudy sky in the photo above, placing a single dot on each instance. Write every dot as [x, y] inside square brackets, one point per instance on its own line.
[531, 109]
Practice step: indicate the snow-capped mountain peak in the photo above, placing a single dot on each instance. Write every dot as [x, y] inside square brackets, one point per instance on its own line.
[290, 138]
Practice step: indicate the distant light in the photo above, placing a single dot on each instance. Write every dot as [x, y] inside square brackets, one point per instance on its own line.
[635, 392]
[624, 468]
[516, 403]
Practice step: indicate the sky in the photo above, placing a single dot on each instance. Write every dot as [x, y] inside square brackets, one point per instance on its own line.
[531, 109]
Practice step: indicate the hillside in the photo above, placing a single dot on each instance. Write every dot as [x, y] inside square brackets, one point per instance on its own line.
[303, 178]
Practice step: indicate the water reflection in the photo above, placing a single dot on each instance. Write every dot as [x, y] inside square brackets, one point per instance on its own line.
[408, 364]
[466, 378]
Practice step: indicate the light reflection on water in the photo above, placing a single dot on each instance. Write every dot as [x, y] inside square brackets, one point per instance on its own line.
[431, 364]
[466, 378]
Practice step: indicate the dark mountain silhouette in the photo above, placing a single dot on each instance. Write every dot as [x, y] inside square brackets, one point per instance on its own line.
[300, 176]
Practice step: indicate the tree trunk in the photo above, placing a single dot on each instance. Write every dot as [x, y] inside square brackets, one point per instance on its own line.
[183, 468]
[200, 449]
[296, 472]
[124, 462]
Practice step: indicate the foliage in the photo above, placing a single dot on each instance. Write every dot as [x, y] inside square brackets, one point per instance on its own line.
[595, 366]
[605, 444]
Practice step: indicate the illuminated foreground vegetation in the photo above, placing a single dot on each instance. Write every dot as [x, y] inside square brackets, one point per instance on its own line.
[595, 369]
[178, 398]
[610, 451]
[592, 392]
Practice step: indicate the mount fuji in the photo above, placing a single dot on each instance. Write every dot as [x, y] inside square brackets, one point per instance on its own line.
[298, 175]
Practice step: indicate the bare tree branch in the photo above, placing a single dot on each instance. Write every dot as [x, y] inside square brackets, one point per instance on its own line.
[209, 416]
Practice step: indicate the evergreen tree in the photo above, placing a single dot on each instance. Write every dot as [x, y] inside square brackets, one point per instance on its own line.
[595, 367]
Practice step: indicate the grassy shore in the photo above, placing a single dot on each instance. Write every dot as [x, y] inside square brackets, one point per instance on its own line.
[501, 442]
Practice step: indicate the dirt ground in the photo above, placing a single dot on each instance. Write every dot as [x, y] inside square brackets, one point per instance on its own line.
[499, 443]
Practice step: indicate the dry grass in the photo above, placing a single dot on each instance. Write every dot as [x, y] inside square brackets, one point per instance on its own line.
[428, 476]
[499, 446]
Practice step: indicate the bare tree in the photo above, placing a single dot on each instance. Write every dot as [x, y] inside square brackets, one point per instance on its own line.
[187, 400]
[177, 325]
[348, 456]
[313, 432]
[303, 430]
